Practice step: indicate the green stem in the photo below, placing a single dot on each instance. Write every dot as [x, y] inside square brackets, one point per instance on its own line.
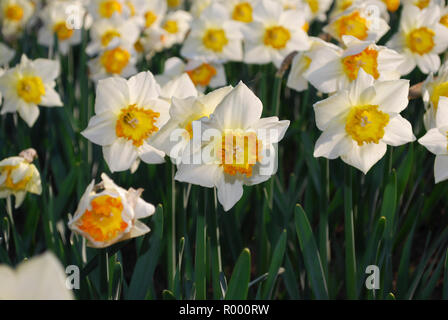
[172, 234]
[323, 223]
[200, 259]
[15, 235]
[215, 250]
[104, 274]
[350, 259]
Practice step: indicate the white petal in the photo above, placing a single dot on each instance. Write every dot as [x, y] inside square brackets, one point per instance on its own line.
[441, 168]
[29, 113]
[143, 88]
[428, 63]
[205, 175]
[150, 154]
[364, 157]
[230, 190]
[398, 131]
[391, 96]
[120, 155]
[111, 94]
[101, 129]
[51, 98]
[143, 209]
[272, 128]
[435, 141]
[331, 108]
[333, 142]
[442, 112]
[362, 82]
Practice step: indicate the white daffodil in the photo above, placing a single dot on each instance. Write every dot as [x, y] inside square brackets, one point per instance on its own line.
[179, 87]
[152, 12]
[359, 123]
[29, 84]
[202, 74]
[198, 6]
[436, 141]
[105, 9]
[107, 214]
[116, 60]
[214, 36]
[302, 61]
[14, 16]
[358, 21]
[378, 8]
[235, 148]
[19, 176]
[274, 34]
[444, 17]
[6, 54]
[105, 33]
[174, 28]
[174, 4]
[423, 4]
[40, 278]
[334, 69]
[55, 17]
[175, 135]
[318, 8]
[421, 38]
[240, 10]
[127, 114]
[434, 88]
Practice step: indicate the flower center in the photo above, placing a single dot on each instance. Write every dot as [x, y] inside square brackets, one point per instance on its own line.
[365, 124]
[239, 152]
[276, 37]
[314, 5]
[9, 183]
[30, 89]
[138, 46]
[392, 5]
[352, 25]
[422, 4]
[202, 75]
[109, 7]
[215, 39]
[242, 12]
[14, 12]
[444, 20]
[421, 40]
[108, 36]
[131, 7]
[150, 18]
[367, 59]
[104, 222]
[171, 26]
[115, 60]
[173, 3]
[440, 90]
[62, 32]
[136, 124]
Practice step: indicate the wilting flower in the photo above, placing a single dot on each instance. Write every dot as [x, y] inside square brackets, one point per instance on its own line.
[359, 123]
[302, 61]
[19, 176]
[434, 88]
[39, 278]
[29, 84]
[127, 114]
[107, 214]
[274, 34]
[107, 32]
[56, 16]
[202, 74]
[214, 36]
[436, 140]
[421, 38]
[178, 131]
[6, 54]
[117, 60]
[14, 15]
[359, 22]
[235, 148]
[334, 69]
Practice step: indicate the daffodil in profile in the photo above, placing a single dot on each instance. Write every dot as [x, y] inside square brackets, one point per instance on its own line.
[421, 38]
[433, 89]
[28, 85]
[107, 214]
[214, 36]
[42, 277]
[436, 140]
[334, 69]
[232, 147]
[274, 34]
[18, 176]
[127, 114]
[358, 123]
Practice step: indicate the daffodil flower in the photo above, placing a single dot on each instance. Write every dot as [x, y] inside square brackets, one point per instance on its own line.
[127, 114]
[240, 10]
[14, 15]
[436, 141]
[434, 88]
[274, 34]
[358, 123]
[107, 214]
[174, 28]
[151, 12]
[175, 135]
[236, 147]
[214, 36]
[318, 8]
[18, 176]
[421, 38]
[358, 21]
[28, 85]
[422, 4]
[333, 69]
[105, 9]
[56, 17]
[40, 278]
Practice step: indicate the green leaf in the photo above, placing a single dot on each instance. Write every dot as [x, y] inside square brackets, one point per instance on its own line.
[239, 282]
[276, 262]
[311, 255]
